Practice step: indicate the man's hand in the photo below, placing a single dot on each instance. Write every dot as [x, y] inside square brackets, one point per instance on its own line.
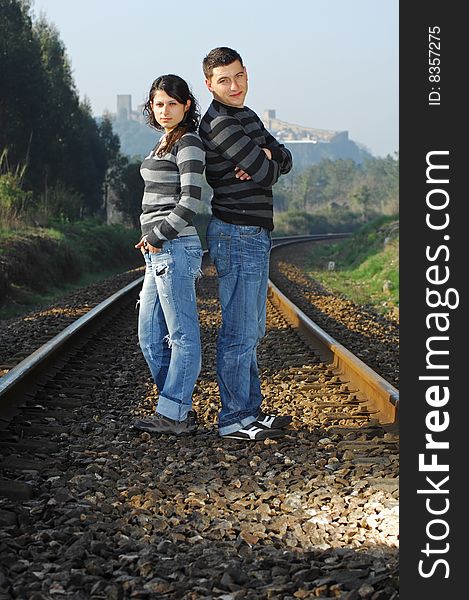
[240, 174]
[146, 247]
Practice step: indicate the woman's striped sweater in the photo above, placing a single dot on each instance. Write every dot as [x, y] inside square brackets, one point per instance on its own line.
[173, 190]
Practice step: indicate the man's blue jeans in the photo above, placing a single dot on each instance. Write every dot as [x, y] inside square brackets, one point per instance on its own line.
[168, 324]
[241, 256]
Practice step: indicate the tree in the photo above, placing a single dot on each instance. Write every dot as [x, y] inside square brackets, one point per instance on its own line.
[23, 88]
[89, 160]
[58, 110]
[362, 196]
[129, 192]
[43, 125]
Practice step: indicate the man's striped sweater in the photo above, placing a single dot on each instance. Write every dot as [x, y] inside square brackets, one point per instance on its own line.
[173, 190]
[234, 137]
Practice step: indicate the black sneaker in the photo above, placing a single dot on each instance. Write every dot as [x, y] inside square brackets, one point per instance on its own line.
[254, 432]
[160, 424]
[274, 421]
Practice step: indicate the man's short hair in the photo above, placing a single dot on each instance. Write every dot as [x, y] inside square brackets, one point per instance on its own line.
[219, 57]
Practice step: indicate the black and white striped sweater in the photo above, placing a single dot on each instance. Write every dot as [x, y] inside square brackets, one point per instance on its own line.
[173, 190]
[235, 137]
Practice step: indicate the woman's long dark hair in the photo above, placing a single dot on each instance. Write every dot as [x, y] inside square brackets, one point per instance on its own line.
[178, 89]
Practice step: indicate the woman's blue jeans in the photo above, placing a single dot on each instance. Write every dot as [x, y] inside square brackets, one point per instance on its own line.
[241, 256]
[168, 324]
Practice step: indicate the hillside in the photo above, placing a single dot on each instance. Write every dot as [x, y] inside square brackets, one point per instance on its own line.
[364, 267]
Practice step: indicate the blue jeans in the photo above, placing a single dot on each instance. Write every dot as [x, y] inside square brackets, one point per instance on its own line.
[241, 256]
[168, 324]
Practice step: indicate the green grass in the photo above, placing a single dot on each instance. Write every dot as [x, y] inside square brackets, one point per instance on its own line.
[41, 264]
[366, 266]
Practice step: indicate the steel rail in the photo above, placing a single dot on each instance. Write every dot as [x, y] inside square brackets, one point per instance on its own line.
[312, 237]
[23, 379]
[370, 386]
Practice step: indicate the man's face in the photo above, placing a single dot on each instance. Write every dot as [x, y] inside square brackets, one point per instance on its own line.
[229, 84]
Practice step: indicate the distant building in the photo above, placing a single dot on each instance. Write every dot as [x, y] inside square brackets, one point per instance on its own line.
[124, 107]
[124, 110]
[309, 145]
[284, 131]
[269, 114]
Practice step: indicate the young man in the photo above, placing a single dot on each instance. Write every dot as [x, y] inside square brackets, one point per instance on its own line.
[243, 162]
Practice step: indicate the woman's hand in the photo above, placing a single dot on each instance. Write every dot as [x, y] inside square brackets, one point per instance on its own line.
[145, 246]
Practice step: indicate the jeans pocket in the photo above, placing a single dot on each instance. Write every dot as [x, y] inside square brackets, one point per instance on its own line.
[250, 230]
[220, 252]
[254, 254]
[161, 263]
[194, 260]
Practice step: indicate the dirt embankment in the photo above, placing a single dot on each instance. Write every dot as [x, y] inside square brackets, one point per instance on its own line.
[39, 263]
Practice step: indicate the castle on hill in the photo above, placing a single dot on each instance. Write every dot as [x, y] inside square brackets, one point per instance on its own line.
[307, 144]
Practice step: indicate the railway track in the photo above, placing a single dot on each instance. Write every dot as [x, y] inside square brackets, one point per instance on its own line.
[93, 509]
[371, 336]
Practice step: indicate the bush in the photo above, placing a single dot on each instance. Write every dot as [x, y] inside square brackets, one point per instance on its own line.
[14, 200]
[304, 223]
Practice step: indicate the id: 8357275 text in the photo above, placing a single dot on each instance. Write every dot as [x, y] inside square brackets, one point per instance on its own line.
[434, 66]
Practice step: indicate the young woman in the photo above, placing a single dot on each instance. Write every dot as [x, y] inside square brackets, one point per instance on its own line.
[168, 326]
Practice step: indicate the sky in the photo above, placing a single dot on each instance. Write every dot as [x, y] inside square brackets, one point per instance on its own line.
[327, 64]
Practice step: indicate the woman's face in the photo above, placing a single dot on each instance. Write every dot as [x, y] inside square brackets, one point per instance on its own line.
[168, 112]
